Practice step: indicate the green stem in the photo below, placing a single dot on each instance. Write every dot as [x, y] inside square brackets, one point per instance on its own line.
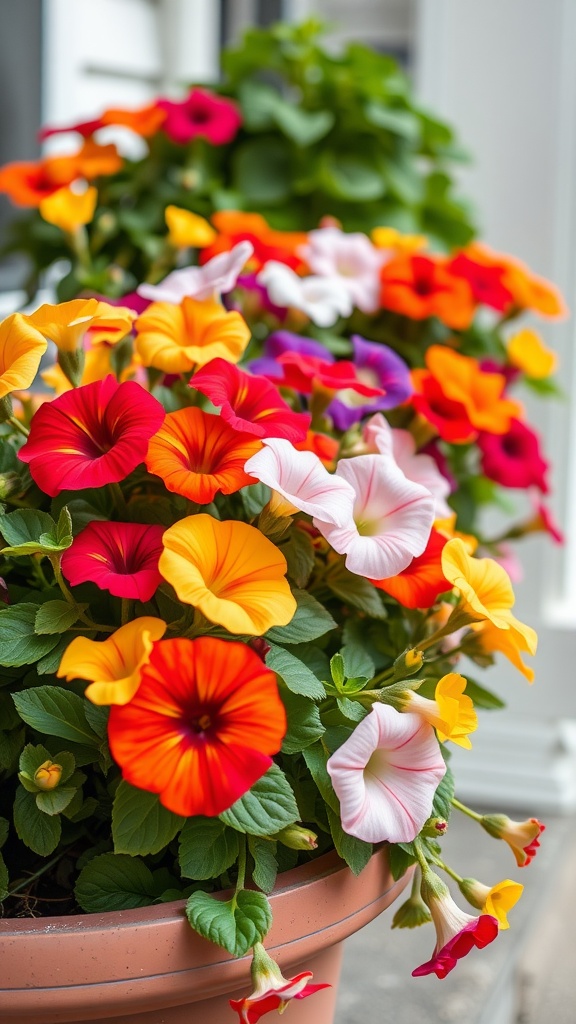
[41, 576]
[421, 857]
[119, 500]
[465, 810]
[55, 561]
[37, 874]
[127, 610]
[241, 865]
[449, 871]
[14, 422]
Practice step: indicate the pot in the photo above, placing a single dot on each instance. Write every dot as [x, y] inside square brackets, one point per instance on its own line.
[147, 966]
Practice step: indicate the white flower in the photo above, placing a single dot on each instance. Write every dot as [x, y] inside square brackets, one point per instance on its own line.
[322, 299]
[350, 259]
[379, 436]
[215, 278]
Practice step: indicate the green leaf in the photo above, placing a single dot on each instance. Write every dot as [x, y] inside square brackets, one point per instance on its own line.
[354, 851]
[4, 829]
[442, 805]
[297, 676]
[254, 498]
[19, 645]
[57, 712]
[261, 170]
[113, 881]
[357, 662]
[265, 864]
[304, 127]
[56, 616]
[50, 663]
[356, 590]
[399, 122]
[3, 879]
[64, 528]
[348, 176]
[39, 831]
[304, 725]
[140, 823]
[351, 709]
[310, 621]
[266, 808]
[482, 697]
[32, 757]
[10, 747]
[97, 716]
[28, 531]
[299, 554]
[315, 757]
[55, 800]
[236, 924]
[207, 848]
[399, 860]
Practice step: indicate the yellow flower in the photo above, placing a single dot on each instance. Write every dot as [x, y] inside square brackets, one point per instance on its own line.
[178, 338]
[113, 665]
[66, 322]
[21, 349]
[496, 901]
[447, 528]
[187, 229]
[390, 238]
[69, 210]
[509, 642]
[48, 775]
[230, 572]
[528, 353]
[451, 712]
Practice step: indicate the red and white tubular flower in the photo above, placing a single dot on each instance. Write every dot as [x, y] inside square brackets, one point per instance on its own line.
[522, 836]
[456, 932]
[271, 990]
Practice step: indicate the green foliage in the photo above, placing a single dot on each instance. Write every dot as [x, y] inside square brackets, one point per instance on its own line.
[113, 881]
[354, 851]
[207, 848]
[57, 712]
[19, 644]
[304, 723]
[235, 924]
[30, 531]
[265, 863]
[297, 676]
[140, 823]
[266, 808]
[38, 830]
[310, 621]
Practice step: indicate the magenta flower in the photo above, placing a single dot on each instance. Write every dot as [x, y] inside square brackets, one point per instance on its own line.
[93, 435]
[278, 343]
[456, 932]
[513, 459]
[380, 367]
[385, 775]
[201, 115]
[119, 557]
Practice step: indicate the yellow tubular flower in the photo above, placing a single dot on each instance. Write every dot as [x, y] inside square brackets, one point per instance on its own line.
[528, 353]
[66, 322]
[69, 210]
[230, 572]
[176, 339]
[188, 230]
[509, 642]
[451, 712]
[21, 349]
[496, 901]
[113, 665]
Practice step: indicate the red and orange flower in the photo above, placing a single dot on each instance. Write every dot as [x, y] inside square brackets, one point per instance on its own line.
[119, 557]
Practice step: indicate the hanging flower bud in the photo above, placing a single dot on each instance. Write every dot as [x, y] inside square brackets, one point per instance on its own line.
[521, 836]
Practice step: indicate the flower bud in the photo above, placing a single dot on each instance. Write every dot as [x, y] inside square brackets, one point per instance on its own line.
[412, 913]
[48, 775]
[297, 838]
[434, 827]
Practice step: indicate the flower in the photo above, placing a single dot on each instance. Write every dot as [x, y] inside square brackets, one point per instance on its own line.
[456, 932]
[249, 404]
[422, 286]
[235, 226]
[69, 210]
[391, 238]
[379, 366]
[178, 338]
[94, 435]
[486, 282]
[418, 467]
[230, 571]
[48, 775]
[528, 353]
[201, 115]
[422, 581]
[385, 776]
[348, 259]
[322, 299]
[216, 277]
[307, 374]
[514, 459]
[495, 901]
[522, 836]
[451, 712]
[21, 349]
[389, 523]
[271, 990]
[302, 481]
[510, 642]
[528, 290]
[187, 229]
[119, 557]
[201, 727]
[113, 665]
[278, 343]
[143, 121]
[198, 455]
[65, 323]
[28, 183]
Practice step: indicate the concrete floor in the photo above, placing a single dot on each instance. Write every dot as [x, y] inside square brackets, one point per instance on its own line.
[527, 976]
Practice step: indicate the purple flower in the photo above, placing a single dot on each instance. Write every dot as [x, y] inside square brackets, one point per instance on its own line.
[284, 341]
[379, 366]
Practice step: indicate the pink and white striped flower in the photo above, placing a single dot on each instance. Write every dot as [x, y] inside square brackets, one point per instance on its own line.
[215, 278]
[351, 260]
[385, 776]
[379, 436]
[389, 523]
[302, 480]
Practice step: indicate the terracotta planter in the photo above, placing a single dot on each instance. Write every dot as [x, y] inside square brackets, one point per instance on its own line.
[147, 966]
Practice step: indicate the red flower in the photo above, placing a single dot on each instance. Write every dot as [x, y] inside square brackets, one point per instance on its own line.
[200, 115]
[250, 404]
[485, 280]
[91, 436]
[119, 557]
[201, 726]
[422, 286]
[235, 226]
[275, 996]
[422, 581]
[513, 459]
[305, 373]
[479, 932]
[448, 416]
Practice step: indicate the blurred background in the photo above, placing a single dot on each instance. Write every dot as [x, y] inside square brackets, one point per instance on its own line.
[502, 73]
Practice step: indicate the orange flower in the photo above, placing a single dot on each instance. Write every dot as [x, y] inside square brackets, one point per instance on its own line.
[528, 290]
[144, 121]
[391, 238]
[419, 585]
[186, 229]
[234, 226]
[21, 349]
[69, 210]
[65, 323]
[94, 161]
[28, 182]
[509, 642]
[528, 353]
[197, 454]
[230, 571]
[421, 286]
[113, 666]
[326, 448]
[178, 338]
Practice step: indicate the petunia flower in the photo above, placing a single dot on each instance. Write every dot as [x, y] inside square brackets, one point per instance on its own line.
[390, 521]
[230, 571]
[495, 901]
[201, 727]
[380, 366]
[322, 299]
[349, 259]
[198, 455]
[119, 557]
[302, 481]
[21, 349]
[213, 279]
[522, 836]
[187, 229]
[514, 459]
[271, 991]
[419, 467]
[178, 338]
[527, 352]
[396, 241]
[202, 115]
[69, 210]
[66, 323]
[422, 581]
[385, 776]
[235, 226]
[528, 290]
[28, 182]
[451, 712]
[307, 374]
[456, 932]
[94, 435]
[486, 282]
[143, 121]
[113, 665]
[249, 403]
[421, 286]
[278, 343]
